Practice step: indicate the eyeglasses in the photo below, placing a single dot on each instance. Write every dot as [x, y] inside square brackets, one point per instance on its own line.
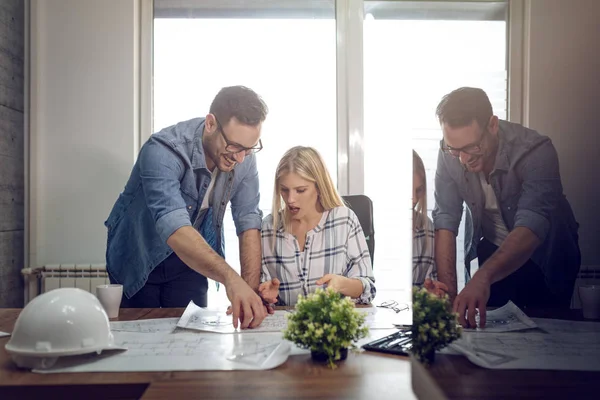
[393, 305]
[235, 148]
[472, 149]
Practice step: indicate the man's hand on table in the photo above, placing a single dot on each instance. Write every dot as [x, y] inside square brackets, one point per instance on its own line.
[472, 298]
[268, 291]
[246, 306]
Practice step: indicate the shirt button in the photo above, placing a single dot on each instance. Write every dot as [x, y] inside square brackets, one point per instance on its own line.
[508, 208]
[189, 207]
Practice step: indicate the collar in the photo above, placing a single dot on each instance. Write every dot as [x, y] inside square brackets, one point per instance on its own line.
[501, 163]
[198, 157]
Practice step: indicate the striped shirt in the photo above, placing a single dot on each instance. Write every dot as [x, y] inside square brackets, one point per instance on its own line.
[336, 245]
[423, 255]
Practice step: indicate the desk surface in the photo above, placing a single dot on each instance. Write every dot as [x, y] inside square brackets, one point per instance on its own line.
[458, 378]
[365, 375]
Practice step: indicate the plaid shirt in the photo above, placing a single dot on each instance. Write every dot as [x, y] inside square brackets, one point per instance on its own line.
[336, 245]
[423, 256]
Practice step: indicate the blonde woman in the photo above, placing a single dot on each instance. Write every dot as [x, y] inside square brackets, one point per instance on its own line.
[311, 239]
[424, 270]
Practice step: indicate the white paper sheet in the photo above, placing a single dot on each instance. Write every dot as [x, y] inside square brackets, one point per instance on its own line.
[183, 351]
[145, 325]
[562, 326]
[563, 345]
[210, 320]
[508, 318]
[3, 334]
[385, 318]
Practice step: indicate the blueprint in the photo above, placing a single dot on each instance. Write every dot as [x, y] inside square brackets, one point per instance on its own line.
[557, 345]
[183, 351]
[209, 320]
[145, 325]
[385, 318]
[508, 318]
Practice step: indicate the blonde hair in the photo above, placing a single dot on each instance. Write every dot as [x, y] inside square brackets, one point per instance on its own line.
[420, 212]
[309, 165]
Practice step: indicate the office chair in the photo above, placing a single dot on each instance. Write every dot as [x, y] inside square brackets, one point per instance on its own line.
[363, 208]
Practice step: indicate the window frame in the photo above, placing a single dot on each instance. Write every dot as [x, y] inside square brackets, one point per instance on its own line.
[349, 16]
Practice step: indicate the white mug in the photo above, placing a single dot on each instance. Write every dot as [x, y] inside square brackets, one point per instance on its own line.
[590, 301]
[110, 298]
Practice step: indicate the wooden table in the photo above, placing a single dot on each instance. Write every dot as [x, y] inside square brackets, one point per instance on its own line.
[361, 376]
[455, 377]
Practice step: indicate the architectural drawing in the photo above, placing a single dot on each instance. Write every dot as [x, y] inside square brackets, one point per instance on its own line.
[208, 320]
[508, 318]
[555, 348]
[183, 351]
[145, 325]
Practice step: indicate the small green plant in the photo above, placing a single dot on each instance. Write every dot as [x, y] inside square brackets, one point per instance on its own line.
[327, 323]
[434, 324]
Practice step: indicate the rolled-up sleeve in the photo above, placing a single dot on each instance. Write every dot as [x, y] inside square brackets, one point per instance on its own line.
[245, 201]
[161, 172]
[359, 261]
[541, 189]
[448, 201]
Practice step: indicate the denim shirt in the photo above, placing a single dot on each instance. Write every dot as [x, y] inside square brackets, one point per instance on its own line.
[164, 193]
[526, 181]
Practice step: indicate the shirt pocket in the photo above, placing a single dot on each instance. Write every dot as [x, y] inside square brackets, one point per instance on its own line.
[191, 203]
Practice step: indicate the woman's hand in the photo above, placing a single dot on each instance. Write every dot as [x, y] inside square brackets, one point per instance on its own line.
[436, 287]
[269, 291]
[346, 286]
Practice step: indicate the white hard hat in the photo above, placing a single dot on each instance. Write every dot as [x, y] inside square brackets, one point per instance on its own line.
[61, 322]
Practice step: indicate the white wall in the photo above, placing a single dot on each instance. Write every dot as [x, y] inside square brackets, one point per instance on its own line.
[84, 123]
[564, 103]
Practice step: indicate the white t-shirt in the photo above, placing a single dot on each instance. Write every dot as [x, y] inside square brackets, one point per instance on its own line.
[206, 201]
[492, 224]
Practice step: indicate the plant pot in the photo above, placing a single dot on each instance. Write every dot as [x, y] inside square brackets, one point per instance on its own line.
[427, 358]
[321, 357]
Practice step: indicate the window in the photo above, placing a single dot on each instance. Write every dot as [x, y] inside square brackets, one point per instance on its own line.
[298, 54]
[413, 56]
[287, 56]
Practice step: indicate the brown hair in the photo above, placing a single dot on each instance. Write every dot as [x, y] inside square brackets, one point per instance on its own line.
[420, 213]
[239, 102]
[462, 106]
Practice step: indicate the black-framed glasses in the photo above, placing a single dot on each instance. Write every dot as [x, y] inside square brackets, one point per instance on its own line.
[472, 149]
[394, 305]
[235, 148]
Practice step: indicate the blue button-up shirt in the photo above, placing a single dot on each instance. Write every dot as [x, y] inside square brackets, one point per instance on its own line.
[526, 182]
[164, 193]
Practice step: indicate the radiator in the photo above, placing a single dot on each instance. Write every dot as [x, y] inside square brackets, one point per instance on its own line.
[588, 275]
[48, 277]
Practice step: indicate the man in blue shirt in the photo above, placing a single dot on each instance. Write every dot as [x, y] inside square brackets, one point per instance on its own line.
[519, 223]
[165, 231]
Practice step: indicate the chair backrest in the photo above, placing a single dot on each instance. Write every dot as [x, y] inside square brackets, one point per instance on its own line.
[363, 208]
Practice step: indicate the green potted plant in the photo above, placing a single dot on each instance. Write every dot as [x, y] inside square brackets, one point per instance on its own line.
[328, 324]
[434, 324]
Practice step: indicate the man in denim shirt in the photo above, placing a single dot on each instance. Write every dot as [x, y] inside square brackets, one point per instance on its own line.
[519, 223]
[165, 231]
